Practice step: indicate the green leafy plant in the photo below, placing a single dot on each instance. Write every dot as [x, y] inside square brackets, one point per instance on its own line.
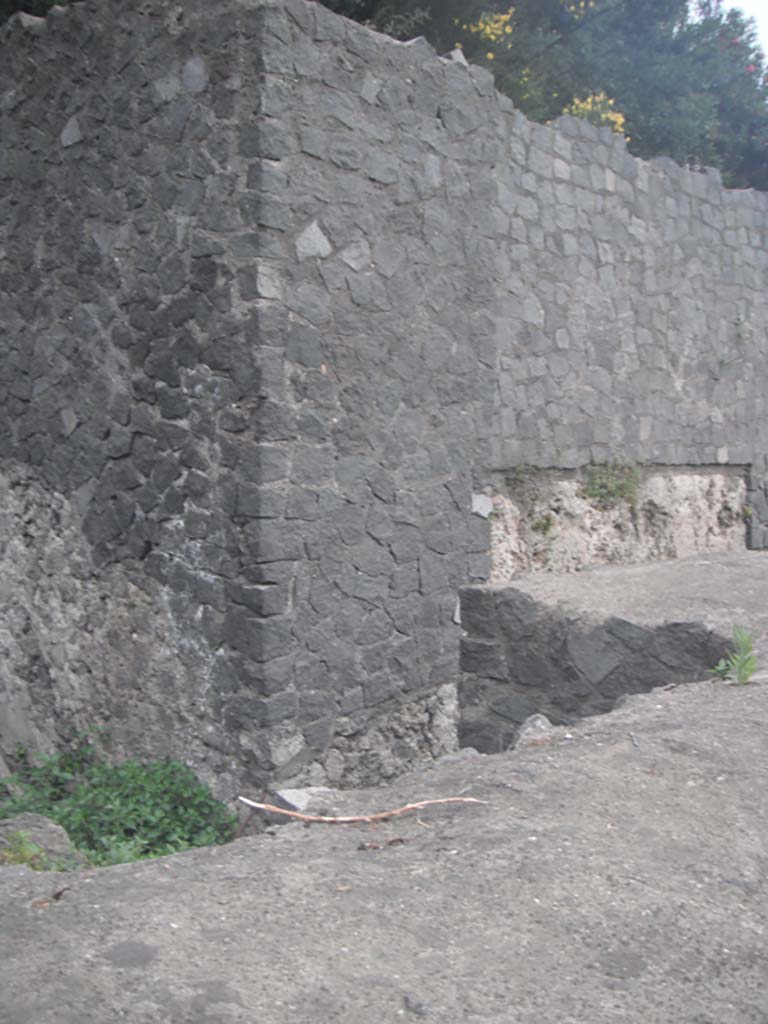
[118, 813]
[741, 663]
[609, 485]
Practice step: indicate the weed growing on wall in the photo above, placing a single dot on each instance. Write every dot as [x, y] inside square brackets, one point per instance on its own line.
[519, 475]
[544, 525]
[741, 662]
[118, 813]
[20, 849]
[610, 485]
[743, 329]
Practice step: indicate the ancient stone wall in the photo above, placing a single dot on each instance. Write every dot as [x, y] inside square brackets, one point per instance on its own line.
[278, 296]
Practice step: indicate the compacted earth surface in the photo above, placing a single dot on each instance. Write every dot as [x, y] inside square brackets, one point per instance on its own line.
[616, 871]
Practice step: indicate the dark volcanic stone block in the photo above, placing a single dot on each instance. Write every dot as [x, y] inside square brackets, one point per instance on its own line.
[571, 645]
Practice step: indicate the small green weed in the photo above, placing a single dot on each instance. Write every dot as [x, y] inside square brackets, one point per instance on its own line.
[19, 849]
[743, 329]
[118, 813]
[741, 663]
[518, 475]
[609, 485]
[544, 525]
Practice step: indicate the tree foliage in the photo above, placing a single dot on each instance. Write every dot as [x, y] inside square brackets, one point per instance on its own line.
[440, 21]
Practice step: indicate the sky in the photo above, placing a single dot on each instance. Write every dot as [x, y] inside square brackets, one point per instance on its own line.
[757, 9]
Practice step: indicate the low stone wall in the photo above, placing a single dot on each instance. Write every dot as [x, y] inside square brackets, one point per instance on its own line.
[570, 645]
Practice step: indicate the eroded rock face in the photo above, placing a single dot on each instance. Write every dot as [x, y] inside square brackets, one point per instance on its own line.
[84, 647]
[561, 523]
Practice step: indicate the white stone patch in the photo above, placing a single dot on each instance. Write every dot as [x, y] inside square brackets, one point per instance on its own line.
[532, 311]
[285, 743]
[310, 799]
[103, 237]
[432, 171]
[168, 87]
[357, 255]
[561, 169]
[545, 522]
[312, 243]
[30, 22]
[194, 76]
[482, 505]
[71, 133]
[69, 421]
[268, 282]
[371, 88]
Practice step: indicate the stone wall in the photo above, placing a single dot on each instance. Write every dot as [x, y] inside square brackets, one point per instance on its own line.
[636, 324]
[279, 295]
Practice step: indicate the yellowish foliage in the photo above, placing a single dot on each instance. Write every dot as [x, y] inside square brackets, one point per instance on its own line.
[581, 7]
[599, 110]
[493, 27]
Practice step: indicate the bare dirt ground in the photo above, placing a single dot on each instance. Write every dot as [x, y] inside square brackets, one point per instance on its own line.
[617, 873]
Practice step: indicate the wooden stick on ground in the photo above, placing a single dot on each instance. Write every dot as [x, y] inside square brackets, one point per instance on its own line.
[357, 818]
